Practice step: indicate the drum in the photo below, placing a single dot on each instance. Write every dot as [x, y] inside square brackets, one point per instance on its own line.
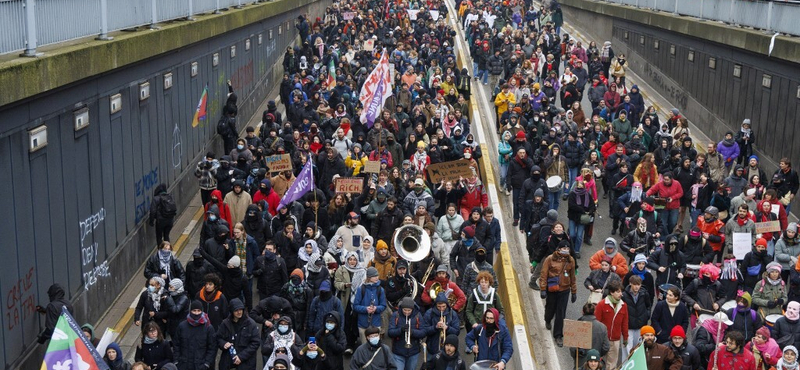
[703, 317]
[554, 184]
[692, 271]
[771, 319]
[483, 365]
[728, 305]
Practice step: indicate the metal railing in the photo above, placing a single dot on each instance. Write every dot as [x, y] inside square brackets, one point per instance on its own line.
[772, 16]
[28, 24]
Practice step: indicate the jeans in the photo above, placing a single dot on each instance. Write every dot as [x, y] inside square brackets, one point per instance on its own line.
[576, 230]
[669, 217]
[573, 173]
[406, 363]
[503, 174]
[515, 195]
[556, 305]
[483, 75]
[554, 198]
[694, 214]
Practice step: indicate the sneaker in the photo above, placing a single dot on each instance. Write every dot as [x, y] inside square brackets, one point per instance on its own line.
[613, 231]
[587, 242]
[469, 350]
[348, 352]
[533, 284]
[577, 255]
[560, 342]
[564, 197]
[548, 325]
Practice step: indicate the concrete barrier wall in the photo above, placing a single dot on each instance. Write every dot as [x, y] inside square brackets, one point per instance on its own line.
[79, 205]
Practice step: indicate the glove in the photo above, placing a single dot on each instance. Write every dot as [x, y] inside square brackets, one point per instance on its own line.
[779, 302]
[543, 294]
[771, 304]
[574, 297]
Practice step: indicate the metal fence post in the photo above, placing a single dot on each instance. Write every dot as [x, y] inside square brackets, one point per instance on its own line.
[676, 7]
[154, 16]
[769, 17]
[238, 4]
[191, 11]
[104, 21]
[217, 11]
[701, 10]
[30, 29]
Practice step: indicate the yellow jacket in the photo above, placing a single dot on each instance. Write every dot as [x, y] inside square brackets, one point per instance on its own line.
[502, 100]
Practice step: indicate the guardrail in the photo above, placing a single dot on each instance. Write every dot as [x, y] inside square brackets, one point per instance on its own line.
[773, 16]
[27, 24]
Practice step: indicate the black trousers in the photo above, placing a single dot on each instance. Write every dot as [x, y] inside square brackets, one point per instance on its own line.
[556, 305]
[163, 227]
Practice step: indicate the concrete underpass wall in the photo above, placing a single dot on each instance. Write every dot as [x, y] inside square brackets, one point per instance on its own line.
[76, 209]
[714, 99]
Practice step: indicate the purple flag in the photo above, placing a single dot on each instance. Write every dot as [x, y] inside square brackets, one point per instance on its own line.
[301, 185]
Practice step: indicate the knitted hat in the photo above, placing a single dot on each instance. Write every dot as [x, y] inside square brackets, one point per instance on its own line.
[407, 302]
[764, 332]
[176, 284]
[552, 215]
[639, 258]
[677, 331]
[196, 305]
[452, 340]
[592, 355]
[469, 231]
[235, 261]
[762, 242]
[792, 226]
[647, 329]
[298, 272]
[381, 245]
[520, 134]
[774, 266]
[372, 272]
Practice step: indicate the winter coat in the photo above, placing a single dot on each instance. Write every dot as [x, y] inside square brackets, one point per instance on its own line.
[561, 267]
[618, 260]
[432, 317]
[743, 360]
[155, 355]
[786, 252]
[663, 320]
[753, 266]
[786, 332]
[746, 322]
[153, 268]
[319, 310]
[57, 301]
[367, 295]
[764, 293]
[194, 346]
[146, 305]
[498, 347]
[729, 151]
[178, 307]
[245, 338]
[674, 262]
[689, 354]
[674, 191]
[661, 356]
[270, 274]
[333, 343]
[573, 151]
[382, 361]
[216, 306]
[518, 171]
[733, 226]
[196, 270]
[639, 308]
[399, 324]
[614, 318]
[704, 295]
[386, 222]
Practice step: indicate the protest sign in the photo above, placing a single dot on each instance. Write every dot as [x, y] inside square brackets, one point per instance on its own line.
[578, 334]
[349, 185]
[372, 167]
[768, 227]
[278, 163]
[449, 171]
[742, 244]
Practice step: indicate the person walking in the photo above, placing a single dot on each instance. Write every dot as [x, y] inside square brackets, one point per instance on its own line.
[557, 280]
[613, 313]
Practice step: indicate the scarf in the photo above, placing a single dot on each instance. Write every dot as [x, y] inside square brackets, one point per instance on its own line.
[774, 282]
[202, 320]
[711, 327]
[311, 265]
[672, 306]
[156, 296]
[281, 341]
[582, 198]
[295, 290]
[613, 301]
[638, 272]
[782, 365]
[382, 259]
[164, 259]
[148, 340]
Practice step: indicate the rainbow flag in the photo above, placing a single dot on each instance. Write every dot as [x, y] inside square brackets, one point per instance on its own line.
[200, 113]
[69, 349]
[331, 75]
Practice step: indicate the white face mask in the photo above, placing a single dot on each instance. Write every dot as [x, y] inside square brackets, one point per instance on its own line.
[642, 227]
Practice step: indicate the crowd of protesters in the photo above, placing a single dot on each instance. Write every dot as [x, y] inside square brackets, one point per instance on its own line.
[321, 279]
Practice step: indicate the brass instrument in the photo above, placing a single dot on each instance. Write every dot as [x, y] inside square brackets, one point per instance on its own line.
[437, 288]
[408, 334]
[412, 244]
[442, 331]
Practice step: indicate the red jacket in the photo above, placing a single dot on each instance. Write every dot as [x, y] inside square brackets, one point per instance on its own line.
[475, 198]
[714, 230]
[224, 210]
[461, 299]
[273, 199]
[608, 148]
[743, 360]
[615, 322]
[674, 191]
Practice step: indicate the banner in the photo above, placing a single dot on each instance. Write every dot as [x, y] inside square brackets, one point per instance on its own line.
[331, 75]
[375, 91]
[348, 15]
[637, 360]
[200, 113]
[449, 171]
[302, 185]
[768, 227]
[354, 185]
[278, 163]
[69, 349]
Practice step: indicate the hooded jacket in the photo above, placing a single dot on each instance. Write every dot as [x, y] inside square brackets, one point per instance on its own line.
[617, 259]
[399, 324]
[729, 150]
[433, 316]
[215, 305]
[745, 321]
[562, 267]
[119, 363]
[194, 346]
[765, 292]
[333, 343]
[223, 210]
[369, 294]
[57, 302]
[496, 346]
[245, 338]
[639, 307]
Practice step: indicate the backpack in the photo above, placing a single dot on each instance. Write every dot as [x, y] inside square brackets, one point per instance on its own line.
[222, 127]
[168, 207]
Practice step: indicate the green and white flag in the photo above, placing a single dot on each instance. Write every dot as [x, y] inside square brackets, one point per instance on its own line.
[636, 361]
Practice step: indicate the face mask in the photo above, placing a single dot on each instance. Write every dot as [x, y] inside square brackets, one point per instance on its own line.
[164, 253]
[563, 252]
[295, 280]
[263, 190]
[283, 329]
[374, 341]
[468, 242]
[642, 228]
[221, 238]
[212, 218]
[151, 289]
[480, 257]
[706, 280]
[311, 354]
[195, 317]
[240, 147]
[330, 326]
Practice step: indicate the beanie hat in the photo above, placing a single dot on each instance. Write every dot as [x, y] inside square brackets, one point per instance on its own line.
[176, 284]
[235, 261]
[407, 302]
[592, 355]
[639, 258]
[196, 305]
[647, 329]
[520, 134]
[452, 340]
[677, 331]
[764, 332]
[469, 231]
[298, 272]
[552, 215]
[372, 272]
[381, 245]
[792, 226]
[774, 266]
[762, 242]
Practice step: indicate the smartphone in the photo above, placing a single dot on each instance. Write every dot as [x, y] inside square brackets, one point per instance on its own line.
[312, 340]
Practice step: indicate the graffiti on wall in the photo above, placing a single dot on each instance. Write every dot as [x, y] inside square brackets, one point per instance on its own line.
[674, 93]
[20, 301]
[243, 76]
[89, 252]
[177, 153]
[142, 189]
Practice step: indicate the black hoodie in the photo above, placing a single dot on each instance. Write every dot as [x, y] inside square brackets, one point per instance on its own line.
[243, 334]
[333, 343]
[53, 311]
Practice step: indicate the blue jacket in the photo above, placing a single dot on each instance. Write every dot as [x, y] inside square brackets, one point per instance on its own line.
[397, 327]
[433, 316]
[498, 347]
[493, 241]
[319, 309]
[369, 295]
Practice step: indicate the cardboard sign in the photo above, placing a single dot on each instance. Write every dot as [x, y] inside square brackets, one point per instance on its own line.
[434, 14]
[449, 171]
[742, 244]
[278, 163]
[349, 185]
[348, 15]
[768, 227]
[412, 14]
[578, 334]
[372, 167]
[369, 45]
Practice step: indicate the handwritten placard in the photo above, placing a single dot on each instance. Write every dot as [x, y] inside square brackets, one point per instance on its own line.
[348, 15]
[578, 334]
[278, 163]
[369, 45]
[768, 227]
[349, 185]
[742, 244]
[372, 167]
[449, 171]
